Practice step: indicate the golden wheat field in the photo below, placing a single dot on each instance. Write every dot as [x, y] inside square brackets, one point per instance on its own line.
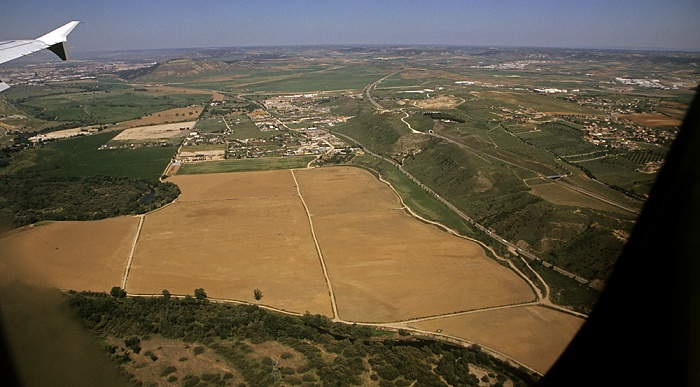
[235, 232]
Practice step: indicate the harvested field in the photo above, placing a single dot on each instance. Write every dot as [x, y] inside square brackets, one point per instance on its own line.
[230, 234]
[235, 232]
[652, 119]
[387, 266]
[534, 335]
[69, 255]
[220, 186]
[155, 132]
[66, 133]
[163, 117]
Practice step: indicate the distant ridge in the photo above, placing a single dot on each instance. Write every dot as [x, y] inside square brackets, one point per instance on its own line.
[183, 68]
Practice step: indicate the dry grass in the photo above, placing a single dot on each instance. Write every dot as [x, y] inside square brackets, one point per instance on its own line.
[69, 255]
[173, 353]
[385, 265]
[562, 196]
[231, 234]
[534, 335]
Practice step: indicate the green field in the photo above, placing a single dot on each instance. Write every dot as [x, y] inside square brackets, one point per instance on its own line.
[341, 78]
[81, 157]
[415, 197]
[101, 102]
[241, 165]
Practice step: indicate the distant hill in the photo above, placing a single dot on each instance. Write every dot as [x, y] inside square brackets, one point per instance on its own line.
[179, 68]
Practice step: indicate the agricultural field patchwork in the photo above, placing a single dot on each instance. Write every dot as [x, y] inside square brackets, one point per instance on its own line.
[533, 334]
[233, 233]
[500, 157]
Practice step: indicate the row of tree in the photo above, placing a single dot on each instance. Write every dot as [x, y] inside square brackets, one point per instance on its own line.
[233, 331]
[29, 197]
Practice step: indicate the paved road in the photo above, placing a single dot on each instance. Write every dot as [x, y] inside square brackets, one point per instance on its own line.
[368, 91]
[510, 245]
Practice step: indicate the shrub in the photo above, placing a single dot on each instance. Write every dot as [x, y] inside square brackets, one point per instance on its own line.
[287, 371]
[133, 343]
[211, 378]
[190, 380]
[168, 370]
[200, 294]
[117, 292]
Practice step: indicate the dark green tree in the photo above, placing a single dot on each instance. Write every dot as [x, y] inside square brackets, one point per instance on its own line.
[258, 294]
[117, 292]
[200, 294]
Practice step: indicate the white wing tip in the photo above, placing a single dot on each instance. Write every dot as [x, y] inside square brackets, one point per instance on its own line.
[59, 34]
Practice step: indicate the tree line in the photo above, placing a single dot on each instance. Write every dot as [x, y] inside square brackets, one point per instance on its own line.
[28, 197]
[232, 331]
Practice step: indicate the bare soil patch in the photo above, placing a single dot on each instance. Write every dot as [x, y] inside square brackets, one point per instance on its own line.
[163, 117]
[155, 132]
[534, 335]
[652, 119]
[441, 102]
[386, 265]
[66, 133]
[69, 255]
[172, 358]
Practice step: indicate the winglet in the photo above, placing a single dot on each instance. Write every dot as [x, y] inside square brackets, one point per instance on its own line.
[59, 34]
[56, 39]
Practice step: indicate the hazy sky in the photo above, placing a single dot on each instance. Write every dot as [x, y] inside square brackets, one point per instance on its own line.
[139, 24]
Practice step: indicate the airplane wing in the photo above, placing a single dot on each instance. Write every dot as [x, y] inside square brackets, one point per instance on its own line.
[54, 41]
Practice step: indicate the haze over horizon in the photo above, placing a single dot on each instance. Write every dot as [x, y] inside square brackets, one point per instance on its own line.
[134, 25]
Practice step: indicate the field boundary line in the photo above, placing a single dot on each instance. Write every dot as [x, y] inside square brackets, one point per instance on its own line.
[127, 269]
[539, 297]
[334, 306]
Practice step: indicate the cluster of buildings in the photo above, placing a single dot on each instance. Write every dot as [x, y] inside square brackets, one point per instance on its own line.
[516, 65]
[286, 143]
[203, 138]
[615, 133]
[295, 105]
[37, 74]
[650, 83]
